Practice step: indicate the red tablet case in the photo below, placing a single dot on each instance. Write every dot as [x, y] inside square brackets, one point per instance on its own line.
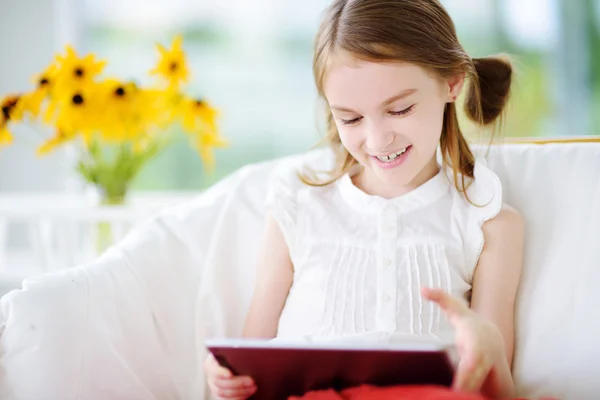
[283, 371]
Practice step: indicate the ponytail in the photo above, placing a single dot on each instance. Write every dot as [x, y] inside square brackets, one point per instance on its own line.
[489, 90]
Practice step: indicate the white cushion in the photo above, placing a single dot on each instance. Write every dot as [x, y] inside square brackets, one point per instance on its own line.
[557, 189]
[132, 324]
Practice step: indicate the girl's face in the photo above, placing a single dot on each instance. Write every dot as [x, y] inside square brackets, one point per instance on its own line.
[389, 117]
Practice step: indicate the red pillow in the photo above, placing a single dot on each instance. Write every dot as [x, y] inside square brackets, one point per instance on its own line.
[391, 393]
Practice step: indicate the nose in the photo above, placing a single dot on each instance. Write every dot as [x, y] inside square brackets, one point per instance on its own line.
[378, 137]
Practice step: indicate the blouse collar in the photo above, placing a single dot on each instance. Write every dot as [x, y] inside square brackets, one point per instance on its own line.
[425, 194]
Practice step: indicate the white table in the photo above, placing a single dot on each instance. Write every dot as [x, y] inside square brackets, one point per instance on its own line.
[62, 228]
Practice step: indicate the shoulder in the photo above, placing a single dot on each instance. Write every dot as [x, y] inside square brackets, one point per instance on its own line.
[485, 189]
[284, 182]
[507, 226]
[288, 183]
[508, 220]
[482, 198]
[290, 170]
[296, 179]
[286, 172]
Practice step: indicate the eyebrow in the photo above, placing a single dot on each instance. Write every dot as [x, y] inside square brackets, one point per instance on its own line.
[389, 101]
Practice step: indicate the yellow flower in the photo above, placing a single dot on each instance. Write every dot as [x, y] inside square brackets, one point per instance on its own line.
[197, 115]
[120, 109]
[7, 108]
[156, 108]
[199, 119]
[206, 142]
[7, 114]
[172, 65]
[5, 136]
[47, 77]
[70, 96]
[31, 103]
[74, 71]
[58, 139]
[79, 110]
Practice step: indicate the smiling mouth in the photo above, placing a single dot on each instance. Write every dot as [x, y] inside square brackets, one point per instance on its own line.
[393, 156]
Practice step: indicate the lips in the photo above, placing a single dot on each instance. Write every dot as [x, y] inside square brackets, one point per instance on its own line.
[392, 156]
[392, 160]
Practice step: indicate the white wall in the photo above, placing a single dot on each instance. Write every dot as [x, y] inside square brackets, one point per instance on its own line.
[31, 32]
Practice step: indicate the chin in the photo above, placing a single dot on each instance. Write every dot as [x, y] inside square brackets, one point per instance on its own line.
[395, 179]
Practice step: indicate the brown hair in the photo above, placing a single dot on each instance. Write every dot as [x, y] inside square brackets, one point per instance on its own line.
[419, 32]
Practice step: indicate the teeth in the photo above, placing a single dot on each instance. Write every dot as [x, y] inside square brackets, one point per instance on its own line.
[392, 156]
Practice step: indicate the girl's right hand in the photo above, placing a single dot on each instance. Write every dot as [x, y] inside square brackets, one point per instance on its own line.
[224, 385]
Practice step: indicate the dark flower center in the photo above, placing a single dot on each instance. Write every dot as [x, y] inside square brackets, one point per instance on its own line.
[79, 72]
[120, 91]
[6, 112]
[77, 99]
[8, 106]
[173, 67]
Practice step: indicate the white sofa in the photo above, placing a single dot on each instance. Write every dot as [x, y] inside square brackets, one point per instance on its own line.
[131, 325]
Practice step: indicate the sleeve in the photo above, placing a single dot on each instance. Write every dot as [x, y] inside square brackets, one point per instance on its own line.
[484, 203]
[282, 201]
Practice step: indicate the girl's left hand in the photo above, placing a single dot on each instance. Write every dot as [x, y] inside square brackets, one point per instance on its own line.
[478, 342]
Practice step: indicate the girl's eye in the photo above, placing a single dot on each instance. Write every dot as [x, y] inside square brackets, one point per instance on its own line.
[350, 121]
[356, 120]
[402, 112]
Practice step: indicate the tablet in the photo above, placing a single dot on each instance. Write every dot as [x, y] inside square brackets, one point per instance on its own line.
[281, 369]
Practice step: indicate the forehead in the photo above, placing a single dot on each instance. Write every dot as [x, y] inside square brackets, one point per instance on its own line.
[348, 77]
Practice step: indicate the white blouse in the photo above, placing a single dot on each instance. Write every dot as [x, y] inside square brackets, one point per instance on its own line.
[360, 260]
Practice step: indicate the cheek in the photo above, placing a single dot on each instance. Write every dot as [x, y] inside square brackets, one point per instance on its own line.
[351, 138]
[423, 127]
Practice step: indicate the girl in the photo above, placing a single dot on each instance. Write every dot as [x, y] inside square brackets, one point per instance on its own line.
[406, 207]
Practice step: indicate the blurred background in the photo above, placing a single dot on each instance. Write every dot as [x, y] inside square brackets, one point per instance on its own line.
[252, 60]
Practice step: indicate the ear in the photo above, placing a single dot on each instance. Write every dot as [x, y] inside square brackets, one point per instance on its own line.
[454, 87]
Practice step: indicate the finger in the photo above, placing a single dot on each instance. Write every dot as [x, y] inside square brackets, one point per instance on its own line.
[239, 393]
[234, 383]
[214, 368]
[223, 373]
[450, 304]
[470, 375]
[476, 379]
[214, 391]
[461, 376]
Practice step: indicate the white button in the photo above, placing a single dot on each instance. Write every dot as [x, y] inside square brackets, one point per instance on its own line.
[387, 262]
[387, 298]
[389, 228]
